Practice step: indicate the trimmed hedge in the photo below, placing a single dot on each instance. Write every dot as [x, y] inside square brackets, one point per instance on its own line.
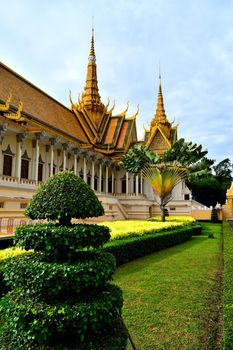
[5, 254]
[126, 250]
[60, 326]
[62, 197]
[51, 281]
[227, 288]
[6, 242]
[59, 243]
[197, 229]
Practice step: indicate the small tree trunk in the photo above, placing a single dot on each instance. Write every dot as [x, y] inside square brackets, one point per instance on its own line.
[162, 213]
[65, 221]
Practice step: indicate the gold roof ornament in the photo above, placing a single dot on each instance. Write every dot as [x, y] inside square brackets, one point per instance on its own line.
[122, 114]
[91, 97]
[160, 115]
[16, 116]
[6, 106]
[134, 115]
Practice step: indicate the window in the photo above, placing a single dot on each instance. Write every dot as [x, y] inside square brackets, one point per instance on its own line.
[89, 179]
[40, 172]
[123, 185]
[1, 204]
[23, 205]
[7, 165]
[24, 168]
[96, 183]
[186, 197]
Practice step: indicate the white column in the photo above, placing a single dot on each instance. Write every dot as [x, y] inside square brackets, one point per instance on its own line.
[127, 182]
[3, 129]
[141, 191]
[37, 151]
[64, 146]
[136, 179]
[75, 163]
[100, 178]
[106, 181]
[113, 179]
[20, 138]
[84, 169]
[93, 174]
[51, 158]
[46, 173]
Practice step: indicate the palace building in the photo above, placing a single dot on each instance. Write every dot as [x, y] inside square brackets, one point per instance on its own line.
[40, 137]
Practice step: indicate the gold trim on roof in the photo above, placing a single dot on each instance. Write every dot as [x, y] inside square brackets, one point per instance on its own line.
[6, 106]
[111, 109]
[123, 114]
[135, 115]
[16, 116]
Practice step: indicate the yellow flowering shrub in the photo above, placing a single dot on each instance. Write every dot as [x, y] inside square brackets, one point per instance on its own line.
[132, 228]
[11, 252]
[185, 219]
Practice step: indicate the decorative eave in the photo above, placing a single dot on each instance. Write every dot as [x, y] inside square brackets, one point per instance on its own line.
[123, 114]
[5, 107]
[152, 134]
[16, 116]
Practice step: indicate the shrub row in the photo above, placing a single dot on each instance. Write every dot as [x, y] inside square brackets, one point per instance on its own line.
[227, 289]
[6, 242]
[128, 249]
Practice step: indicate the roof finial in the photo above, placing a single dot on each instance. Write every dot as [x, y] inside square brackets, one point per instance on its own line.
[92, 50]
[159, 73]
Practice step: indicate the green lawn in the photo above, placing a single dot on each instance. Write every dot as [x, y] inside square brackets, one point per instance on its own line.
[173, 297]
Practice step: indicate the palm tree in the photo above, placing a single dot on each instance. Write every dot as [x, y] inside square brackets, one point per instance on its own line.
[163, 178]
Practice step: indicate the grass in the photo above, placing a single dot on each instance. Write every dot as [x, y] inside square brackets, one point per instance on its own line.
[228, 282]
[173, 297]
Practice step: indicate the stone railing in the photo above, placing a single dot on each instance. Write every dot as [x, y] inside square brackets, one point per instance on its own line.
[129, 195]
[14, 180]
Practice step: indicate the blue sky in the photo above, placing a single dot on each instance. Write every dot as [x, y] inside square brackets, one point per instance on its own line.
[48, 43]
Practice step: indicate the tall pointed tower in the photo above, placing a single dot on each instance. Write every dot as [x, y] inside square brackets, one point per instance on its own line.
[161, 134]
[108, 134]
[91, 98]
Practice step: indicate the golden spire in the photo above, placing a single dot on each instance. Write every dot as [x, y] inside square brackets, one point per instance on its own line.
[160, 115]
[90, 97]
[92, 49]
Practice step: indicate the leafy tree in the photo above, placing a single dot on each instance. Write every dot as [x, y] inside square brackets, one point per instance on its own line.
[163, 178]
[137, 157]
[203, 168]
[205, 190]
[60, 296]
[62, 197]
[223, 173]
[186, 153]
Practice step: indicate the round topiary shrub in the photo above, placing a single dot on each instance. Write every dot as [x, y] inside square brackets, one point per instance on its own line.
[62, 197]
[60, 297]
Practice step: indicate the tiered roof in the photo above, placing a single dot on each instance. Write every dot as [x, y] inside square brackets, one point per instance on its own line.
[161, 135]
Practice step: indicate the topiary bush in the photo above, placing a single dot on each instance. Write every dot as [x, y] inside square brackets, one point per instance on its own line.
[60, 296]
[214, 215]
[62, 197]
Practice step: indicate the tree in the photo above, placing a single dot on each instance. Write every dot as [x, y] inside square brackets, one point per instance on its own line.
[205, 190]
[137, 157]
[60, 296]
[163, 178]
[223, 170]
[186, 153]
[62, 197]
